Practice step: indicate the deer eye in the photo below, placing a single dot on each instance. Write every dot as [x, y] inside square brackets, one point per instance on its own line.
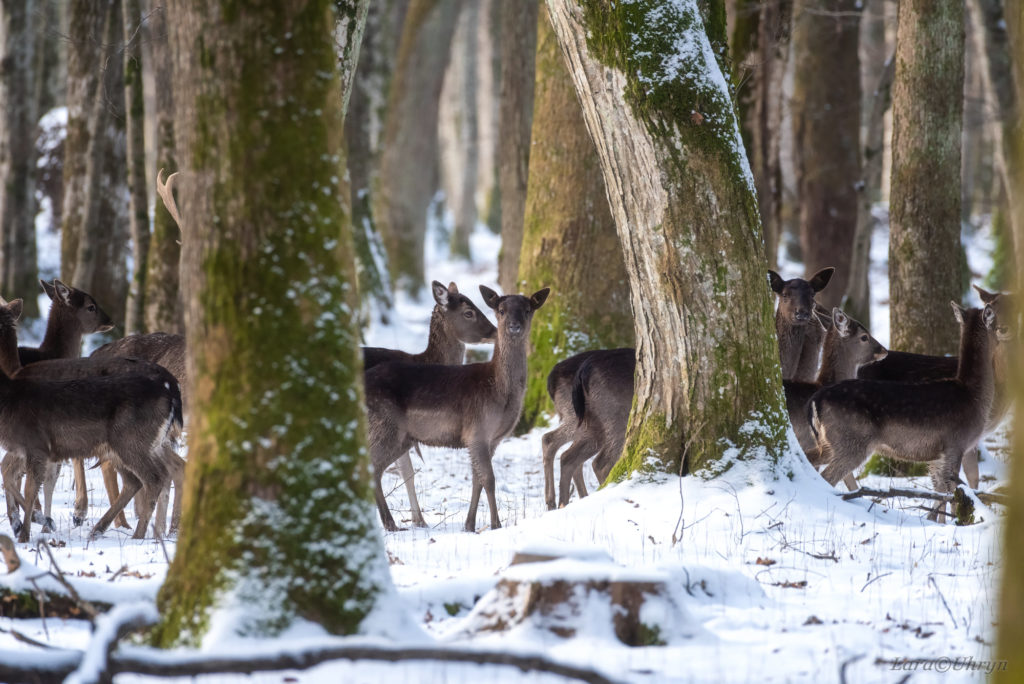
[91, 307]
[468, 314]
[501, 312]
[863, 338]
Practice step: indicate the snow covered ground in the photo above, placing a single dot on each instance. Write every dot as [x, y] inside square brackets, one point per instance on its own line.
[774, 580]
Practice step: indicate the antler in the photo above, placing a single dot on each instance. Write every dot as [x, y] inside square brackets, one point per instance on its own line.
[165, 190]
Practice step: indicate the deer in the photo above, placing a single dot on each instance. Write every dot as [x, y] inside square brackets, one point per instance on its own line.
[935, 422]
[73, 314]
[454, 322]
[901, 366]
[602, 396]
[798, 326]
[847, 347]
[471, 407]
[130, 418]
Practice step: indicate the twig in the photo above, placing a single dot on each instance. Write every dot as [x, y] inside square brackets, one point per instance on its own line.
[874, 579]
[984, 497]
[25, 639]
[931, 581]
[87, 608]
[847, 663]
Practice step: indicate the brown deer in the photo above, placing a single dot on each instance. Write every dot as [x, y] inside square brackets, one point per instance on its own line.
[799, 330]
[935, 422]
[454, 322]
[848, 345]
[131, 418]
[73, 314]
[473, 406]
[602, 395]
[907, 367]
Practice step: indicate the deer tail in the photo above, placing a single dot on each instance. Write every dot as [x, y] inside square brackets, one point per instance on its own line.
[579, 389]
[814, 420]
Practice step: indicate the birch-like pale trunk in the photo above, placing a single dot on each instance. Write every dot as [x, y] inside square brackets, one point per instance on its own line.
[708, 385]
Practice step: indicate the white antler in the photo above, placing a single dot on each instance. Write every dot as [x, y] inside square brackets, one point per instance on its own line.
[166, 191]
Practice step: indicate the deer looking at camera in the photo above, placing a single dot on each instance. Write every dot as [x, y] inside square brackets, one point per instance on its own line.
[799, 330]
[935, 422]
[130, 418]
[473, 406]
[454, 323]
[847, 346]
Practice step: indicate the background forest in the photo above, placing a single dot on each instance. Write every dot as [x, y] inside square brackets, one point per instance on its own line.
[648, 162]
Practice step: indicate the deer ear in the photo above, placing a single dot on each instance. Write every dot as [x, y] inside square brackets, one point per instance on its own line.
[958, 311]
[63, 291]
[490, 296]
[538, 297]
[841, 321]
[820, 279]
[440, 293]
[49, 289]
[989, 316]
[15, 307]
[453, 289]
[986, 297]
[776, 281]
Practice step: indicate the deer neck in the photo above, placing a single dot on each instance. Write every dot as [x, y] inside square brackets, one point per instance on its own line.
[974, 367]
[63, 339]
[509, 365]
[791, 340]
[834, 364]
[9, 362]
[443, 347]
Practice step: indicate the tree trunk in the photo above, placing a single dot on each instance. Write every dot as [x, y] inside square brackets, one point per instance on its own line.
[1015, 132]
[363, 122]
[94, 235]
[409, 172]
[272, 346]
[876, 69]
[826, 134]
[569, 241]
[163, 296]
[467, 128]
[135, 314]
[18, 99]
[708, 385]
[924, 226]
[518, 46]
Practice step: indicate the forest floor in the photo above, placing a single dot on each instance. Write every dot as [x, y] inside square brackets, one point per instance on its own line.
[770, 579]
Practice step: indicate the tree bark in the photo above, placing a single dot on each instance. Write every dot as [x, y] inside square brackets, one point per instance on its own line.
[924, 226]
[138, 198]
[164, 309]
[94, 237]
[467, 128]
[363, 122]
[569, 240]
[18, 100]
[826, 135]
[275, 389]
[515, 117]
[708, 385]
[409, 175]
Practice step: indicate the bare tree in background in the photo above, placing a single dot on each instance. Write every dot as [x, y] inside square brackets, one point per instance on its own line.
[138, 197]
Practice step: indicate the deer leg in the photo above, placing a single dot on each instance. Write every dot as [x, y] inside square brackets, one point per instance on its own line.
[488, 483]
[35, 471]
[581, 486]
[110, 482]
[131, 488]
[970, 465]
[160, 511]
[81, 493]
[11, 469]
[571, 462]
[144, 508]
[851, 482]
[409, 477]
[551, 442]
[177, 469]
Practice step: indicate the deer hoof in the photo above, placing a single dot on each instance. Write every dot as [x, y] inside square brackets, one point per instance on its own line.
[49, 525]
[76, 521]
[16, 528]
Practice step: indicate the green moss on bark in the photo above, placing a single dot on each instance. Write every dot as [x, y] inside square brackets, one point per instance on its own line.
[277, 504]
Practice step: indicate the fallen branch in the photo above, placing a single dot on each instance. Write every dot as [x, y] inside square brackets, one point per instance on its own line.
[985, 497]
[158, 663]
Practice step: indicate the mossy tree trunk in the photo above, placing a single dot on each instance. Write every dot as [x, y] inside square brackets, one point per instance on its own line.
[18, 74]
[924, 224]
[1014, 23]
[363, 121]
[94, 233]
[278, 523]
[655, 99]
[409, 175]
[467, 127]
[138, 198]
[569, 238]
[826, 135]
[164, 309]
[515, 117]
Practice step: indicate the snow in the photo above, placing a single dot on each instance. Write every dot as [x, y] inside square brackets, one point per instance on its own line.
[773, 580]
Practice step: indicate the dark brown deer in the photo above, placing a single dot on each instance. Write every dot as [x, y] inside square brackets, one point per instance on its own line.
[935, 422]
[130, 418]
[73, 314]
[848, 345]
[907, 367]
[454, 322]
[799, 330]
[560, 390]
[473, 406]
[602, 395]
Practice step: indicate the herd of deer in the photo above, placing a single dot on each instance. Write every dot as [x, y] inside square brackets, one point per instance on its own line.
[848, 397]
